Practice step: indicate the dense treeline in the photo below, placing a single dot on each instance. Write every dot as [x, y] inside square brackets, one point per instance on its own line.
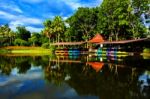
[113, 19]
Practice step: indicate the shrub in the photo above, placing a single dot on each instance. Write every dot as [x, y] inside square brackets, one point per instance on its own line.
[52, 48]
[20, 42]
[45, 45]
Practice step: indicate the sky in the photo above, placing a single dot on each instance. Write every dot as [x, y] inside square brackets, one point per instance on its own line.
[32, 13]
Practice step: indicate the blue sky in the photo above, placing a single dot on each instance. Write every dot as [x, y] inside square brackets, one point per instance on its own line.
[32, 13]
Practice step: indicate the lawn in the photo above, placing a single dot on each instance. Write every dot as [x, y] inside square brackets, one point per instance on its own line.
[24, 50]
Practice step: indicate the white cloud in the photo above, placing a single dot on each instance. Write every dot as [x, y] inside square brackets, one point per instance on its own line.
[27, 20]
[30, 28]
[33, 29]
[11, 7]
[74, 4]
[6, 15]
[20, 18]
[17, 20]
[14, 24]
[64, 18]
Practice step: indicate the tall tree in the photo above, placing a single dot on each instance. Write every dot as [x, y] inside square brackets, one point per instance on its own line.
[83, 22]
[117, 19]
[6, 35]
[141, 6]
[35, 39]
[23, 33]
[48, 30]
[58, 27]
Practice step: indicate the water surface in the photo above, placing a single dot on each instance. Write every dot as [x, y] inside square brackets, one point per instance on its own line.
[74, 77]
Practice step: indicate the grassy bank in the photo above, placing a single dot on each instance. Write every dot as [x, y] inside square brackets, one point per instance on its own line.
[24, 50]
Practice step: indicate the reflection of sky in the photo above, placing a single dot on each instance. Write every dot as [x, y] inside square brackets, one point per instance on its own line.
[33, 73]
[32, 85]
[144, 77]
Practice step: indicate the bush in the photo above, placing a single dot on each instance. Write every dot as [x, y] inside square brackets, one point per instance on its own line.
[45, 45]
[20, 42]
[52, 48]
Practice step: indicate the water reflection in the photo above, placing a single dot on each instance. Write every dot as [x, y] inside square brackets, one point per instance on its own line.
[75, 77]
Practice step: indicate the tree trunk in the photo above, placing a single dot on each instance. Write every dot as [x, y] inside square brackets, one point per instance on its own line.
[58, 39]
[116, 36]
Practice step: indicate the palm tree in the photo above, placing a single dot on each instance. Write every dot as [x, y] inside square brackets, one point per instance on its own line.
[48, 30]
[58, 26]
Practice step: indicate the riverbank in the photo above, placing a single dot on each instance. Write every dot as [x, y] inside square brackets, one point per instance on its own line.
[24, 50]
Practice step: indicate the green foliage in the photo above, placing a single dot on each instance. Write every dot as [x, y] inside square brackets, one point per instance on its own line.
[140, 6]
[20, 42]
[6, 35]
[52, 48]
[22, 33]
[58, 27]
[54, 28]
[35, 39]
[45, 45]
[83, 23]
[117, 20]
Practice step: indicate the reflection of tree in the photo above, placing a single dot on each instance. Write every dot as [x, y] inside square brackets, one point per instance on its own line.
[106, 84]
[40, 61]
[23, 67]
[55, 73]
[23, 63]
[6, 65]
[113, 80]
[5, 69]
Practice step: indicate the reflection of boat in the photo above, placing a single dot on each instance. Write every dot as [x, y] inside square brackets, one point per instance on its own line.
[74, 52]
[96, 65]
[61, 52]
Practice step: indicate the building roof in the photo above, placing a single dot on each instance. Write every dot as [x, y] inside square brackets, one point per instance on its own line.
[97, 39]
[123, 41]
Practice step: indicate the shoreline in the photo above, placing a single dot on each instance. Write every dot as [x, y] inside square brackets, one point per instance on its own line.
[24, 50]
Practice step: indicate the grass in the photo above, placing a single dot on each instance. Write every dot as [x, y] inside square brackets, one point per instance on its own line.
[24, 50]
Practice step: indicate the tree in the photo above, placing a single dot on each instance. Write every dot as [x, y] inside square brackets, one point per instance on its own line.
[116, 19]
[48, 30]
[4, 30]
[20, 42]
[23, 33]
[6, 35]
[83, 22]
[58, 27]
[140, 7]
[35, 39]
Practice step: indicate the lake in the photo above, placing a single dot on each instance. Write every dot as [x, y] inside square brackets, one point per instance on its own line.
[74, 77]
